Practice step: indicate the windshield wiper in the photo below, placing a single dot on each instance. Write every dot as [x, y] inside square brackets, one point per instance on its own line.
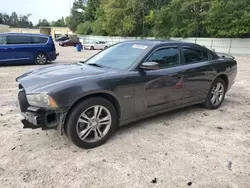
[80, 63]
[94, 64]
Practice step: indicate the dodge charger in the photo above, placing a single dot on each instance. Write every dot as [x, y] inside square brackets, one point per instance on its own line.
[126, 82]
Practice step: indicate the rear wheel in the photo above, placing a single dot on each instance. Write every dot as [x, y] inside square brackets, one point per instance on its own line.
[91, 122]
[41, 58]
[216, 94]
[92, 48]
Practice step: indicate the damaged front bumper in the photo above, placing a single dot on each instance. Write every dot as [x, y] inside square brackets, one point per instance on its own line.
[36, 117]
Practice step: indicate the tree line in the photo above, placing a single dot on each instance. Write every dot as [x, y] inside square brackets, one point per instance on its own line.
[150, 18]
[161, 18]
[23, 21]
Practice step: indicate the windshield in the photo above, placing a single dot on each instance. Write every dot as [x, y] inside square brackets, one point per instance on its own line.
[120, 56]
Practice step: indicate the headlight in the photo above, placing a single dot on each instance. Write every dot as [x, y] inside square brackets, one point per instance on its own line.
[41, 100]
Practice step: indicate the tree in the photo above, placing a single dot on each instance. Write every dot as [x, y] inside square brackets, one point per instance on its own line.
[5, 19]
[16, 21]
[67, 21]
[161, 21]
[98, 26]
[24, 21]
[43, 23]
[77, 17]
[126, 17]
[84, 28]
[13, 19]
[59, 23]
[91, 9]
[228, 19]
[123, 18]
[158, 18]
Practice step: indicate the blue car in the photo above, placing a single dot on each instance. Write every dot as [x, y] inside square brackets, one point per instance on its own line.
[26, 48]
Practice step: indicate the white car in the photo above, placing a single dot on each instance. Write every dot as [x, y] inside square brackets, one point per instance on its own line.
[98, 45]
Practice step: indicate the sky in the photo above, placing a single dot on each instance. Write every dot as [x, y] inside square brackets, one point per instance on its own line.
[40, 9]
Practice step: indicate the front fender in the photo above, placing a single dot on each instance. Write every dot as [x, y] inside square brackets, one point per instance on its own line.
[66, 97]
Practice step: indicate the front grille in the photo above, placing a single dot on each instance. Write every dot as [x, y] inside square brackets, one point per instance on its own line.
[23, 102]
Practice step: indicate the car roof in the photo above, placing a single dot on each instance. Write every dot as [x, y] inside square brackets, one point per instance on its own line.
[26, 34]
[154, 42]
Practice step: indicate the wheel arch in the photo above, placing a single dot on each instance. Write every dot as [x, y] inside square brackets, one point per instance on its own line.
[224, 77]
[106, 95]
[40, 52]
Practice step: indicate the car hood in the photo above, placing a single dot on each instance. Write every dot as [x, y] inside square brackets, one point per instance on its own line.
[35, 80]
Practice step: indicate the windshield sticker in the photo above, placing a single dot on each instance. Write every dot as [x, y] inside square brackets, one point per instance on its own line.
[143, 47]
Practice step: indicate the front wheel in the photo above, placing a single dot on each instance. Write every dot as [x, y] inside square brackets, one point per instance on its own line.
[41, 58]
[91, 122]
[216, 94]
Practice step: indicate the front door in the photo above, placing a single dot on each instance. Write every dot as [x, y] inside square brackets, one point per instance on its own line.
[159, 89]
[4, 50]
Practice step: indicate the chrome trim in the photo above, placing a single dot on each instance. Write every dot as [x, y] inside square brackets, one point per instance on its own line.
[25, 58]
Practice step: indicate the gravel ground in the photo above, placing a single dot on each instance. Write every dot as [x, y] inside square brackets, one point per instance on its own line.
[191, 147]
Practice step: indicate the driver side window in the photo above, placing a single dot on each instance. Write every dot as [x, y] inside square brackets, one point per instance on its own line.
[167, 57]
[3, 40]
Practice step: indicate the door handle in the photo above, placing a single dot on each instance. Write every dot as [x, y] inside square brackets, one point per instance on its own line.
[178, 75]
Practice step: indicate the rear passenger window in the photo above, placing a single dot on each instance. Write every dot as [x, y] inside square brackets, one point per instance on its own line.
[39, 40]
[18, 39]
[194, 56]
[167, 57]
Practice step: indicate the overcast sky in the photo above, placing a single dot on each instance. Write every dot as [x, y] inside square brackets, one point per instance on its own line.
[48, 9]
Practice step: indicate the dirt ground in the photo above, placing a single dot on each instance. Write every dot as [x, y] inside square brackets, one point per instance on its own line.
[191, 147]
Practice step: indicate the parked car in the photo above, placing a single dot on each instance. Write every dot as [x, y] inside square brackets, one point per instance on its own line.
[62, 38]
[98, 45]
[69, 42]
[19, 47]
[127, 82]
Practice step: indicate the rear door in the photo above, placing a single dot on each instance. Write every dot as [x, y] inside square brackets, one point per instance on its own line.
[198, 72]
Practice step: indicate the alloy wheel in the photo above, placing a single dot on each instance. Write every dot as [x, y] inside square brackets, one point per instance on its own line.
[94, 123]
[41, 59]
[217, 94]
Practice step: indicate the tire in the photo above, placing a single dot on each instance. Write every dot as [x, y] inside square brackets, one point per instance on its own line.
[92, 133]
[105, 47]
[40, 58]
[92, 48]
[64, 45]
[216, 96]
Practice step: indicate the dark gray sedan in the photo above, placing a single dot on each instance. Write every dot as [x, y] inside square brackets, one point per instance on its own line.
[122, 84]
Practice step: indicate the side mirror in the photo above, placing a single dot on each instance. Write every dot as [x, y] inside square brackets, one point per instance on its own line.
[150, 66]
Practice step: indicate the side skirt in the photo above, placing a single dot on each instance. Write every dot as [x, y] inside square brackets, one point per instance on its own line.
[160, 112]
